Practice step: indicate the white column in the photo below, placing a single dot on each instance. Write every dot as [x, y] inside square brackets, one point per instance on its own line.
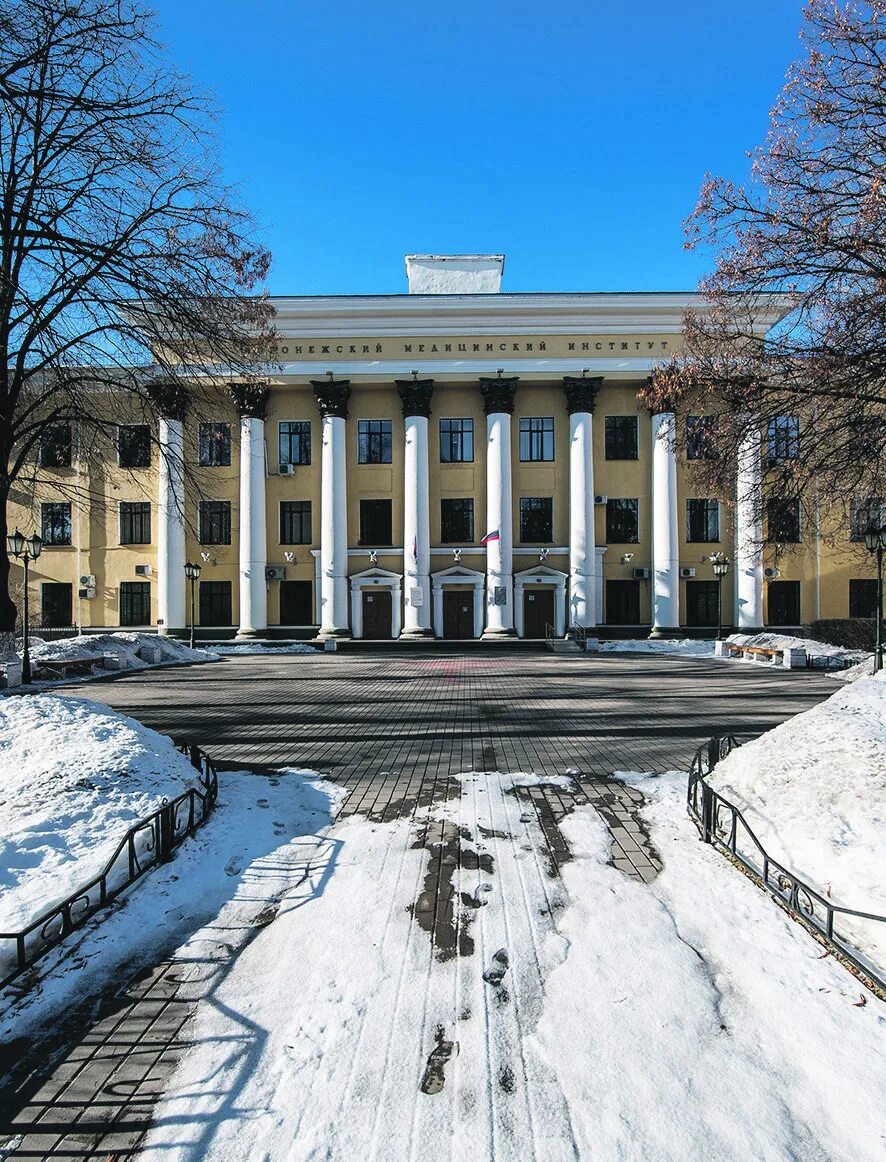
[416, 397]
[478, 613]
[560, 609]
[334, 530]
[665, 542]
[581, 398]
[171, 528]
[438, 610]
[253, 531]
[499, 404]
[748, 535]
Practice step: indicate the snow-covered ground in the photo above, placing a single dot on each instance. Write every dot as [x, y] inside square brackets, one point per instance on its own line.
[239, 649]
[134, 650]
[813, 648]
[689, 647]
[814, 791]
[704, 648]
[74, 776]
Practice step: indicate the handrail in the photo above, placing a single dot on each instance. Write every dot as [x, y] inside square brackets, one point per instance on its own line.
[147, 843]
[580, 635]
[724, 826]
[550, 634]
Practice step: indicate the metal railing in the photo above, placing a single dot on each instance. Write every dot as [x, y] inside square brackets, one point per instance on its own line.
[723, 825]
[549, 635]
[148, 843]
[580, 636]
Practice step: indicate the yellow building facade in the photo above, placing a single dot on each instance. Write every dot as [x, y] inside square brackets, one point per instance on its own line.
[452, 462]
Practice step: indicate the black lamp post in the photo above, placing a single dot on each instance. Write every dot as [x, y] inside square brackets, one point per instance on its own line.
[875, 542]
[26, 550]
[721, 568]
[192, 572]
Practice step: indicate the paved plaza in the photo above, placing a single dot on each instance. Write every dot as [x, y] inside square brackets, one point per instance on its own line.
[394, 729]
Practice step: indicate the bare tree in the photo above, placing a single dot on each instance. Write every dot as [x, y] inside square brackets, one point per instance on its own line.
[124, 259]
[810, 227]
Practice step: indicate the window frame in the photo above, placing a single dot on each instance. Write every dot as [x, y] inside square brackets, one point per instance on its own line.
[870, 585]
[610, 428]
[126, 514]
[543, 506]
[623, 500]
[468, 510]
[712, 508]
[699, 437]
[381, 438]
[864, 506]
[539, 439]
[223, 512]
[797, 514]
[304, 442]
[207, 441]
[288, 522]
[456, 439]
[146, 450]
[377, 543]
[782, 439]
[50, 541]
[65, 444]
[129, 589]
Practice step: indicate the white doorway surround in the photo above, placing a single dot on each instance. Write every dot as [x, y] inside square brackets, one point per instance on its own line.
[458, 576]
[376, 579]
[542, 575]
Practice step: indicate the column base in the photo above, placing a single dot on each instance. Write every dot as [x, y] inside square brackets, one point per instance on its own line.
[328, 635]
[497, 634]
[667, 631]
[249, 635]
[419, 633]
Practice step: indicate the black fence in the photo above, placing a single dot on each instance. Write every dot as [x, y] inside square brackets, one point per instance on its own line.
[150, 842]
[722, 824]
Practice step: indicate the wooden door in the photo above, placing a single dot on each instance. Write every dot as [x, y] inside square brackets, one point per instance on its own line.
[458, 613]
[377, 608]
[538, 611]
[296, 603]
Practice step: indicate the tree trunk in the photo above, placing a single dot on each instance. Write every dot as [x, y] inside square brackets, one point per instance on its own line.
[8, 611]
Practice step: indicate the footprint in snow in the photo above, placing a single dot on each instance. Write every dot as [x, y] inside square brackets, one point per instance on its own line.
[495, 974]
[279, 828]
[233, 866]
[262, 803]
[434, 1077]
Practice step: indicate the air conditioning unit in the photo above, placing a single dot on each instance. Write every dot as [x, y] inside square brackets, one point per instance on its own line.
[770, 573]
[687, 572]
[640, 574]
[88, 592]
[88, 581]
[601, 498]
[286, 469]
[143, 570]
[275, 572]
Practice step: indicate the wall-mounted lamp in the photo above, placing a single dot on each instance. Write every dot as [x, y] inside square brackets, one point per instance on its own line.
[626, 558]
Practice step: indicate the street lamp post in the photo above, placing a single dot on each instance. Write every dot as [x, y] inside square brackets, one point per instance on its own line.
[26, 550]
[875, 542]
[192, 572]
[721, 568]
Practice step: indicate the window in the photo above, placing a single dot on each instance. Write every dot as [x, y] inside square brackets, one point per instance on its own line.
[56, 522]
[783, 523]
[374, 441]
[295, 442]
[215, 445]
[55, 446]
[215, 522]
[622, 602]
[135, 523]
[862, 597]
[135, 603]
[783, 439]
[783, 603]
[375, 522]
[536, 519]
[56, 605]
[456, 520]
[215, 603]
[703, 522]
[295, 522]
[701, 434]
[621, 437]
[622, 522]
[456, 441]
[536, 438]
[134, 446]
[865, 514]
[702, 603]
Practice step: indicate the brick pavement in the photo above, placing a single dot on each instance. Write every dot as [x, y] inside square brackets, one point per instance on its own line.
[394, 728]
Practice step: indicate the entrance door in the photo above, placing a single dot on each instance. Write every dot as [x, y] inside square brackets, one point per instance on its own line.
[377, 608]
[538, 611]
[783, 603]
[702, 604]
[458, 613]
[215, 603]
[296, 599]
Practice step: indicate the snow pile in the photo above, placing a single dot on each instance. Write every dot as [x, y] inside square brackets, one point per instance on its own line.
[863, 669]
[688, 647]
[74, 776]
[783, 641]
[126, 646]
[239, 650]
[814, 791]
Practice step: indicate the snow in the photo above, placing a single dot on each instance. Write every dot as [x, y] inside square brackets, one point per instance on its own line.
[814, 791]
[782, 641]
[125, 646]
[74, 776]
[240, 649]
[689, 647]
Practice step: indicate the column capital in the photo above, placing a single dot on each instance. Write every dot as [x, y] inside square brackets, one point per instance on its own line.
[251, 399]
[169, 398]
[581, 392]
[498, 393]
[332, 396]
[415, 396]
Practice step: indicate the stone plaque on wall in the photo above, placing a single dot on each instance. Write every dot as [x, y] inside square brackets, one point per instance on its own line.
[500, 595]
[416, 597]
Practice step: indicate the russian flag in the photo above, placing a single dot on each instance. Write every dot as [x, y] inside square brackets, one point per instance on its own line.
[493, 536]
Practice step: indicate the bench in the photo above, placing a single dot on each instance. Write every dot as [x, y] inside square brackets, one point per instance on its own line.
[788, 658]
[61, 667]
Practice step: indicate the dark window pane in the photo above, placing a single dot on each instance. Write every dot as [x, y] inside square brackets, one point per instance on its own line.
[375, 522]
[701, 437]
[702, 521]
[536, 518]
[135, 603]
[295, 442]
[783, 602]
[865, 514]
[55, 447]
[783, 439]
[215, 522]
[215, 445]
[135, 523]
[374, 441]
[56, 523]
[783, 522]
[622, 602]
[622, 522]
[456, 441]
[457, 520]
[702, 603]
[215, 603]
[134, 446]
[295, 522]
[536, 438]
[56, 605]
[621, 437]
[862, 597]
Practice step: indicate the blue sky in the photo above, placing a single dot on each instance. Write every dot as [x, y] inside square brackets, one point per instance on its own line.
[571, 136]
